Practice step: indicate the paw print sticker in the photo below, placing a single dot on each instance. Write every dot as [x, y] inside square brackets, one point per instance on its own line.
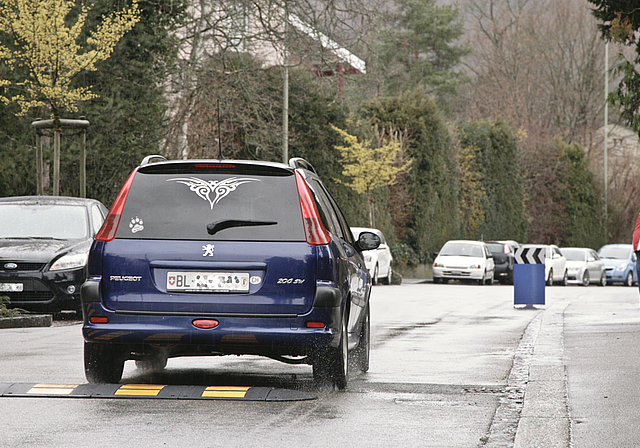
[136, 225]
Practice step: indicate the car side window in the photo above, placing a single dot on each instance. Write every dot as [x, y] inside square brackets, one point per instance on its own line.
[96, 218]
[325, 208]
[342, 221]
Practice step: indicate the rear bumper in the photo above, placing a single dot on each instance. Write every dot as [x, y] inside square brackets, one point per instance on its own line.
[177, 335]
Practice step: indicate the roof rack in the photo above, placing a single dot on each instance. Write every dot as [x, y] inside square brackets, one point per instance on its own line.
[299, 162]
[152, 159]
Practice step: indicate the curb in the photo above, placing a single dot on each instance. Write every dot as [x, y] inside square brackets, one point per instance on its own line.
[36, 320]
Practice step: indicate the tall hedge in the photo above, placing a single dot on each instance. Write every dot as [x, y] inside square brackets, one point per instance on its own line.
[496, 156]
[432, 181]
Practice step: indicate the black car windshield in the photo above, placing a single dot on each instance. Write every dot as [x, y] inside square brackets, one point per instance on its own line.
[59, 221]
[462, 250]
[574, 254]
[498, 248]
[620, 253]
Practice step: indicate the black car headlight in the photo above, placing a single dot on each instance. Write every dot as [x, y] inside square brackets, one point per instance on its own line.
[71, 261]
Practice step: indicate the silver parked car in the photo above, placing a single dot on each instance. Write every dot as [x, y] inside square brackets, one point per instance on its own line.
[584, 266]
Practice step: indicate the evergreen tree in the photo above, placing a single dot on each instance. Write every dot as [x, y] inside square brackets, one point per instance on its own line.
[503, 201]
[433, 189]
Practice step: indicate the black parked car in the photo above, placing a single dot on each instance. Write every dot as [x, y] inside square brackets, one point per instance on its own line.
[503, 258]
[44, 244]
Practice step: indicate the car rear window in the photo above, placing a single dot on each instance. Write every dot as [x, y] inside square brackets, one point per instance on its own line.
[212, 206]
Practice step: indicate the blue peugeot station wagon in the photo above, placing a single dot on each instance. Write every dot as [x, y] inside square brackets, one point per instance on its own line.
[224, 257]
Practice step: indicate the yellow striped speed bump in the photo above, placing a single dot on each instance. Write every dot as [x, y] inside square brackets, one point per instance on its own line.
[139, 390]
[152, 391]
[225, 392]
[52, 389]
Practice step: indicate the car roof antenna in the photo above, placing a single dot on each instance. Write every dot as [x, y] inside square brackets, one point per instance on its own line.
[220, 156]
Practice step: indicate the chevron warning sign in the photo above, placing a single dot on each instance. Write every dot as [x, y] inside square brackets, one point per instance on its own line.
[531, 255]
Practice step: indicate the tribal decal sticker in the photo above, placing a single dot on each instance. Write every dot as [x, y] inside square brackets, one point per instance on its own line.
[219, 189]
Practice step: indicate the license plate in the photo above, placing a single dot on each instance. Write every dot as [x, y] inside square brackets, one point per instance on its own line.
[11, 287]
[208, 281]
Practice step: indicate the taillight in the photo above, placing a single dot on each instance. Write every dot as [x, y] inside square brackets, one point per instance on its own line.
[205, 324]
[214, 166]
[110, 226]
[99, 320]
[315, 231]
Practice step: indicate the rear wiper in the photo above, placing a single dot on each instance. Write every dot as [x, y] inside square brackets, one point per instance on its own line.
[217, 226]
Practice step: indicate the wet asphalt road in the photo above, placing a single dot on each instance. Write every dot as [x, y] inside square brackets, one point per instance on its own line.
[451, 366]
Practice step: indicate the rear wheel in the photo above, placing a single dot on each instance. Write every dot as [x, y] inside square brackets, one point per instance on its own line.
[603, 279]
[585, 278]
[331, 364]
[374, 277]
[387, 280]
[550, 278]
[565, 279]
[102, 363]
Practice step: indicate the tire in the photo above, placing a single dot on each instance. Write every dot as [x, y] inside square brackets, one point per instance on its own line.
[550, 278]
[374, 277]
[389, 278]
[364, 345]
[603, 279]
[565, 279]
[332, 364]
[585, 278]
[629, 280]
[489, 280]
[102, 363]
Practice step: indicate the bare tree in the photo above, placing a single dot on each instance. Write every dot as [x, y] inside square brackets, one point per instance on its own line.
[539, 64]
[296, 33]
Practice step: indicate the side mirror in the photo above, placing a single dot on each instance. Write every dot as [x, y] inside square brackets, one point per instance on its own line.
[368, 241]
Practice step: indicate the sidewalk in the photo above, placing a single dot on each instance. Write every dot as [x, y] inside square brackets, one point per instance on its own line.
[544, 421]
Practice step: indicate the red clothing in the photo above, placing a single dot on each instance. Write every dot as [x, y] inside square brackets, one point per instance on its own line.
[636, 235]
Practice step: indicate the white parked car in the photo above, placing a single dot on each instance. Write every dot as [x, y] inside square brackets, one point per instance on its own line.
[584, 266]
[555, 264]
[378, 261]
[464, 260]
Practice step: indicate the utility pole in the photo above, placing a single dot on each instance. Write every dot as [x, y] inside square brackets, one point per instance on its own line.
[606, 138]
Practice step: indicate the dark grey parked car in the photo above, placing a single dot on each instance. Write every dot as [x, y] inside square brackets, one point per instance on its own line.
[503, 259]
[44, 244]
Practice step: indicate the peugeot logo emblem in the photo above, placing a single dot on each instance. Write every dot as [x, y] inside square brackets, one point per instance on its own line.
[10, 266]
